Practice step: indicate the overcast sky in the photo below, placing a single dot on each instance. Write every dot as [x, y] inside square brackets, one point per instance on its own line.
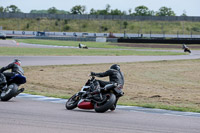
[192, 7]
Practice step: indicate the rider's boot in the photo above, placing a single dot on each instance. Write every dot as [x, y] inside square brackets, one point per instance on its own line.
[19, 91]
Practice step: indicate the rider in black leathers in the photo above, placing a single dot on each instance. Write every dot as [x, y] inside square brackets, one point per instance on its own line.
[115, 76]
[15, 69]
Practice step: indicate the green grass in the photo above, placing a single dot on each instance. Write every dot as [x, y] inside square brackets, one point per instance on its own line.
[79, 52]
[101, 26]
[63, 96]
[68, 43]
[162, 106]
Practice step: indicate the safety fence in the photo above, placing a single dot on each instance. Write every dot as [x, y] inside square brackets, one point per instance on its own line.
[100, 17]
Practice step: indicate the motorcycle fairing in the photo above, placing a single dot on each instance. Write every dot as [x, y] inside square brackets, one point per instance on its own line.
[18, 79]
[85, 105]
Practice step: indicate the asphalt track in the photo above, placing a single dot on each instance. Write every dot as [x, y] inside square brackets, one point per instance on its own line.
[28, 116]
[25, 115]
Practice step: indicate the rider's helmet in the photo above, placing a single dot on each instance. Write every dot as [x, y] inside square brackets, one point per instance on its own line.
[115, 66]
[17, 61]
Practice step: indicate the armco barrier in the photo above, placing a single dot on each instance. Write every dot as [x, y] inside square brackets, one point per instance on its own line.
[100, 17]
[92, 39]
[162, 40]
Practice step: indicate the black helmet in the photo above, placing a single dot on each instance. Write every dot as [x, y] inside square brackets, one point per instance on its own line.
[115, 66]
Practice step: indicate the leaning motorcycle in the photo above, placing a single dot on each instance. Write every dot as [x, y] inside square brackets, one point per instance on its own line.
[187, 50]
[10, 88]
[92, 96]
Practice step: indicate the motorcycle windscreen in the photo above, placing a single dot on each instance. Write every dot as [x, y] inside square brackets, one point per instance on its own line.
[18, 79]
[85, 105]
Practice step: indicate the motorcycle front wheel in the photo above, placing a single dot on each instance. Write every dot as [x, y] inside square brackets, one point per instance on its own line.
[10, 92]
[72, 102]
[103, 107]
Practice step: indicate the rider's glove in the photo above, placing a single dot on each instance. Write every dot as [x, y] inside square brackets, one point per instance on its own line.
[92, 73]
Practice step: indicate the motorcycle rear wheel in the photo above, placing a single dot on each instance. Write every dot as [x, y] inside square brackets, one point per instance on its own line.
[101, 108]
[72, 102]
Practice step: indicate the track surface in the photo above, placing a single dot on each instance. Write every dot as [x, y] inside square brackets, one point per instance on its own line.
[24, 115]
[28, 116]
[67, 60]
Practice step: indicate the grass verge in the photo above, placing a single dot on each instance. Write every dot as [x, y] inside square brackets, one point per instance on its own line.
[19, 51]
[172, 85]
[68, 43]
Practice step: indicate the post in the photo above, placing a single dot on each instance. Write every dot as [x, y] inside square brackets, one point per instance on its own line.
[150, 33]
[177, 34]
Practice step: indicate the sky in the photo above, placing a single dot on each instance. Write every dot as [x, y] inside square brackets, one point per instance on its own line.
[191, 7]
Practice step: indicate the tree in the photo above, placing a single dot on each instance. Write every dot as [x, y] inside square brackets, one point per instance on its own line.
[1, 9]
[52, 10]
[92, 11]
[130, 11]
[107, 8]
[78, 9]
[12, 9]
[143, 11]
[101, 12]
[117, 12]
[184, 13]
[125, 24]
[165, 11]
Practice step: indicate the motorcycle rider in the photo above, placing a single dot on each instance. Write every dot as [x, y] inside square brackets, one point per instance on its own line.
[115, 76]
[186, 48]
[114, 73]
[16, 68]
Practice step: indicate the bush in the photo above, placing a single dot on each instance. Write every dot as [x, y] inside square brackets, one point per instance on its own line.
[56, 23]
[65, 21]
[196, 29]
[84, 25]
[104, 28]
[66, 28]
[27, 26]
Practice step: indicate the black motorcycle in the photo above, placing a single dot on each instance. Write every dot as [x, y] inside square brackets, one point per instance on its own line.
[10, 88]
[186, 48]
[92, 96]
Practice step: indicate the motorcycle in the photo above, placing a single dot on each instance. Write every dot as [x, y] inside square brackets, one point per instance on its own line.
[92, 96]
[82, 46]
[9, 89]
[186, 49]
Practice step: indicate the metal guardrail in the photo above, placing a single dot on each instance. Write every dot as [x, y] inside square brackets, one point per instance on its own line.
[92, 39]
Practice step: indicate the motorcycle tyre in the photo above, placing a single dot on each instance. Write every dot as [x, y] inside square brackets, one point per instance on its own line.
[12, 93]
[109, 104]
[74, 105]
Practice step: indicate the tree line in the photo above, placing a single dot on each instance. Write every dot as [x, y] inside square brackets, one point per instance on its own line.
[80, 9]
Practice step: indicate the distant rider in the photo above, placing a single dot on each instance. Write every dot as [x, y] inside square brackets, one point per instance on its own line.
[15, 67]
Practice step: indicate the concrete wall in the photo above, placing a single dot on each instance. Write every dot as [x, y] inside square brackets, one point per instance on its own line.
[100, 17]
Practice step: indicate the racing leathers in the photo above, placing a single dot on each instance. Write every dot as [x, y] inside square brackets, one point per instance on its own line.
[115, 76]
[15, 69]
